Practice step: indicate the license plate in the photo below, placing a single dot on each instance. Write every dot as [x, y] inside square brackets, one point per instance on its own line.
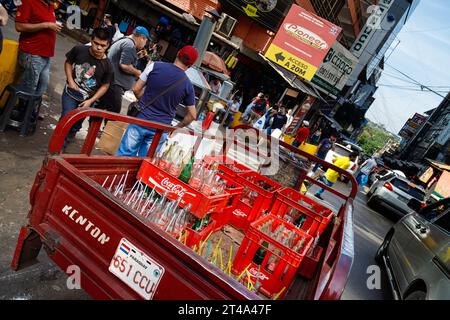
[140, 272]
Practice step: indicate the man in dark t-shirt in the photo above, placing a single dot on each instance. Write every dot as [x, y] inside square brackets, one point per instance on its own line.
[156, 78]
[325, 145]
[89, 74]
[278, 122]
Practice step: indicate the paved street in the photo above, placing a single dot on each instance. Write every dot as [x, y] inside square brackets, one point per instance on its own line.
[21, 158]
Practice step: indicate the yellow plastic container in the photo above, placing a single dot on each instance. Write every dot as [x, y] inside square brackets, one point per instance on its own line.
[309, 148]
[8, 65]
[236, 119]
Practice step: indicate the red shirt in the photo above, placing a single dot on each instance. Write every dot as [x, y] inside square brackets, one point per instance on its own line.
[302, 134]
[41, 43]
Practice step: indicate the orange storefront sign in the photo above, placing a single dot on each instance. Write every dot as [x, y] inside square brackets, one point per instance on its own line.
[302, 42]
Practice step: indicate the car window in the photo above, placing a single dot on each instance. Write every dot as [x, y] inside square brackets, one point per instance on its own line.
[444, 221]
[409, 189]
[435, 211]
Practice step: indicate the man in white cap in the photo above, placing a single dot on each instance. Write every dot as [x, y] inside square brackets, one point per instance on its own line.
[302, 135]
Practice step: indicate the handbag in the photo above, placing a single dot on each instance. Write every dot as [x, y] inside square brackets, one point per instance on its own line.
[134, 108]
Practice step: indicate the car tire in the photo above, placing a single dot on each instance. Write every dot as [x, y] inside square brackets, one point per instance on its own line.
[417, 295]
[381, 252]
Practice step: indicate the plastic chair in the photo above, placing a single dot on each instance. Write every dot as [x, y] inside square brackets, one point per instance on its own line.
[32, 103]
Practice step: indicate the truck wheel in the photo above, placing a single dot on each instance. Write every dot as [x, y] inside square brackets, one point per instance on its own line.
[417, 295]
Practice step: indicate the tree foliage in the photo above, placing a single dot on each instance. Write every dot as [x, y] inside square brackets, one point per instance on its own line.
[374, 137]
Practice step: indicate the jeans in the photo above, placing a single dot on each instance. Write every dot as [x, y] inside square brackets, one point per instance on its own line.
[70, 100]
[328, 183]
[362, 179]
[317, 166]
[35, 73]
[247, 111]
[136, 141]
[296, 143]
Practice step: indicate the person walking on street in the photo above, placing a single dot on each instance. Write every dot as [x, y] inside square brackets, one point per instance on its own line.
[89, 75]
[3, 22]
[302, 135]
[366, 168]
[325, 146]
[36, 22]
[248, 110]
[331, 176]
[315, 138]
[123, 55]
[108, 25]
[279, 120]
[160, 89]
[234, 108]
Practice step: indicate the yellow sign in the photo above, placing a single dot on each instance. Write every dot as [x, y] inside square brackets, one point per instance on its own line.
[290, 62]
[251, 11]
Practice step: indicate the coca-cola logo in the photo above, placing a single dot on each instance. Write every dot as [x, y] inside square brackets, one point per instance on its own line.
[254, 273]
[168, 185]
[239, 213]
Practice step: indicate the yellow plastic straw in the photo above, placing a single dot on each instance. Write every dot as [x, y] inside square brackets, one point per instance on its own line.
[229, 260]
[279, 293]
[194, 248]
[185, 237]
[245, 270]
[221, 259]
[249, 282]
[206, 240]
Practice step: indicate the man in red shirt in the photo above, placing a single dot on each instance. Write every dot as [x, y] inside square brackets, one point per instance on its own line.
[36, 22]
[302, 135]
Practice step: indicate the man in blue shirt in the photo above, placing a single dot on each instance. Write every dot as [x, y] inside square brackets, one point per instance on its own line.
[325, 145]
[156, 78]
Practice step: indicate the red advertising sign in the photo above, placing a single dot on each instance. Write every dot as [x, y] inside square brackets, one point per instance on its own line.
[302, 42]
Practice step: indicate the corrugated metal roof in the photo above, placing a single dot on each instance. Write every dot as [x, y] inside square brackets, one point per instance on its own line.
[439, 165]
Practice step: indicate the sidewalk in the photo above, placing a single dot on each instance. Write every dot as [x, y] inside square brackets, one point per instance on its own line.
[21, 158]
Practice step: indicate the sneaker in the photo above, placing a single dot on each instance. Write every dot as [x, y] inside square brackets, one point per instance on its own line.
[318, 196]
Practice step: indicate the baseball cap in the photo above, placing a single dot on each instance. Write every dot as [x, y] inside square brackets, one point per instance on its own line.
[306, 123]
[188, 55]
[143, 31]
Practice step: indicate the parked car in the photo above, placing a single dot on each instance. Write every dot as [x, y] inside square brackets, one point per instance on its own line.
[394, 191]
[377, 175]
[416, 253]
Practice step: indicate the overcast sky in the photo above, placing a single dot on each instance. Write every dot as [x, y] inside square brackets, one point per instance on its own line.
[424, 54]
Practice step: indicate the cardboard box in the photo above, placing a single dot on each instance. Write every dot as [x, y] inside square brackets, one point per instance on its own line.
[112, 136]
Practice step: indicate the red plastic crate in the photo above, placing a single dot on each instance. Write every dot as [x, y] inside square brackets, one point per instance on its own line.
[223, 218]
[246, 213]
[227, 165]
[193, 238]
[273, 275]
[163, 181]
[310, 263]
[317, 216]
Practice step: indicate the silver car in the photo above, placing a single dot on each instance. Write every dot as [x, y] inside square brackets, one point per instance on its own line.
[416, 253]
[395, 192]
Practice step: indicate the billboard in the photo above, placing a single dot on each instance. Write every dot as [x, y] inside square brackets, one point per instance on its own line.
[268, 13]
[302, 42]
[335, 70]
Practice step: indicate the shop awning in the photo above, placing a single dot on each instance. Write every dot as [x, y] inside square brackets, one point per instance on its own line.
[439, 165]
[293, 80]
[333, 122]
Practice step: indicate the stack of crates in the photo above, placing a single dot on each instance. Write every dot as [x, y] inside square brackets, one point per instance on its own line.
[246, 213]
[316, 216]
[266, 257]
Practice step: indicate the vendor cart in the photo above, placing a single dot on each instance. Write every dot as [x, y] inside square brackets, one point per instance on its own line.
[78, 222]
